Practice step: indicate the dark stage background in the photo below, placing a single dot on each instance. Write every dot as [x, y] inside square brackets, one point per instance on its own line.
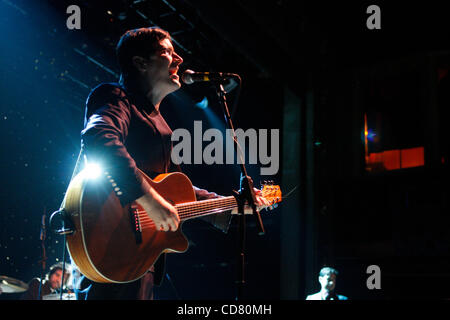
[311, 69]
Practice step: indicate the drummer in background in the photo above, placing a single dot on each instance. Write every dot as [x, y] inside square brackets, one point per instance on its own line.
[50, 285]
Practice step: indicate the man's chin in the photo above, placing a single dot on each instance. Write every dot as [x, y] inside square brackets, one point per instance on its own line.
[175, 85]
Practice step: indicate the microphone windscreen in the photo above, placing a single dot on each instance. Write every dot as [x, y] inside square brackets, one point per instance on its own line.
[186, 77]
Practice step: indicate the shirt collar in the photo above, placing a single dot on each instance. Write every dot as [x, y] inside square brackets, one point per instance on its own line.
[139, 99]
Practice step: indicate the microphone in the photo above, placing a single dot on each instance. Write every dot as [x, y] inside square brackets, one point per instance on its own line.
[190, 76]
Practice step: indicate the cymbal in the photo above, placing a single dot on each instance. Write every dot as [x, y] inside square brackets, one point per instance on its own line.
[11, 285]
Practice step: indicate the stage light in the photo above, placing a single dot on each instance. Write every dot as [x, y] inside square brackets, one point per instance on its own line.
[92, 171]
[370, 135]
[203, 104]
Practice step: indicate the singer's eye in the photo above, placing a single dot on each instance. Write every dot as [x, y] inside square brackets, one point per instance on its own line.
[166, 51]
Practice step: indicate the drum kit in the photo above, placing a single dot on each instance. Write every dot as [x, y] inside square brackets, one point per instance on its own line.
[11, 285]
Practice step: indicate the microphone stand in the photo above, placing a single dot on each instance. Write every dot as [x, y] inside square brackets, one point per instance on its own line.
[44, 258]
[246, 194]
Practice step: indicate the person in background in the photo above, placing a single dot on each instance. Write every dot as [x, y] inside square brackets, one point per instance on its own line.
[327, 280]
[50, 285]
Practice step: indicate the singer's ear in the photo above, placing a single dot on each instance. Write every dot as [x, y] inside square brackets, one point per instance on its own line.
[140, 63]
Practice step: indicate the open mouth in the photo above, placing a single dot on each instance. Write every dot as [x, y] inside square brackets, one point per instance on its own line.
[173, 74]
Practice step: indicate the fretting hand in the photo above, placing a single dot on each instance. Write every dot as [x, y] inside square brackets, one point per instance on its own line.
[261, 203]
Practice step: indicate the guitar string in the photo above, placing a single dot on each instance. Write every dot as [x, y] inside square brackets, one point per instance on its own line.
[150, 224]
[145, 220]
[187, 213]
[216, 201]
[199, 204]
[188, 210]
[191, 209]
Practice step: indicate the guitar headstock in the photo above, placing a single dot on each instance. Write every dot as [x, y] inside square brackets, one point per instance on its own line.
[271, 193]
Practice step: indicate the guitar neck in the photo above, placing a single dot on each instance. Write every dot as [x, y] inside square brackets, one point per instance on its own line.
[190, 210]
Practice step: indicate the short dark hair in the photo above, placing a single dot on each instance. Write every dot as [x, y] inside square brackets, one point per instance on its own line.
[56, 267]
[140, 42]
[327, 270]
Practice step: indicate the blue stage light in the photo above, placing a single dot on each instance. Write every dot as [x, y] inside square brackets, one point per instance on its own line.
[202, 104]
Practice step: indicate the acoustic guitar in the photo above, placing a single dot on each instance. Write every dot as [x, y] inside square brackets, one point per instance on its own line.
[116, 244]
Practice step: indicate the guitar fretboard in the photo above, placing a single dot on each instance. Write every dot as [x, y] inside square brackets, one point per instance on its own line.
[189, 210]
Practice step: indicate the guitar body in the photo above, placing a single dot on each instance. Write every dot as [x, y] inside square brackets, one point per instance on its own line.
[106, 246]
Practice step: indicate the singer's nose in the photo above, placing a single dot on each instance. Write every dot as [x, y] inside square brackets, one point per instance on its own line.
[177, 59]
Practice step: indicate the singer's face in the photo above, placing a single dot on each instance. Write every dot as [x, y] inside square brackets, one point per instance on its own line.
[163, 67]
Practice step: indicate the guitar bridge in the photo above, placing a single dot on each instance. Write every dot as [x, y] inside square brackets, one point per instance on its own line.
[135, 224]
